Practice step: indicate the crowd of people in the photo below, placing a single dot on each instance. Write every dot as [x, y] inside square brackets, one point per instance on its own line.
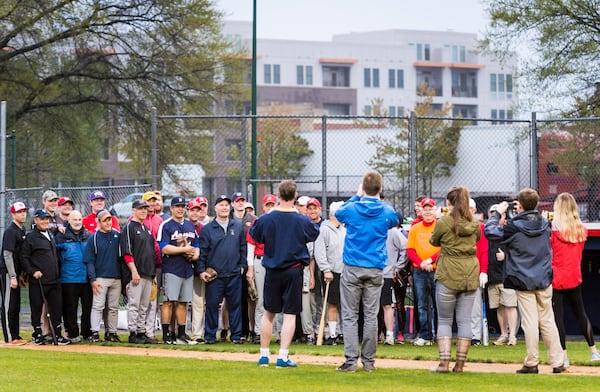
[289, 272]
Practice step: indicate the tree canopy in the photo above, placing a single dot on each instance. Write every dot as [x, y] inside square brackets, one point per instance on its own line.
[561, 38]
[77, 73]
[437, 141]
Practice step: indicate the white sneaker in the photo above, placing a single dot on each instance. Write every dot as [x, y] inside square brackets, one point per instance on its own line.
[512, 341]
[422, 342]
[501, 341]
[184, 339]
[389, 340]
[596, 356]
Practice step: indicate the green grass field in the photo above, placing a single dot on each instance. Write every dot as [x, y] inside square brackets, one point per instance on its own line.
[39, 370]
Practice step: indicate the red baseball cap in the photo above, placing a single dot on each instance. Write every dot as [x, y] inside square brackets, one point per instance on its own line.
[313, 202]
[269, 198]
[427, 202]
[18, 207]
[202, 200]
[64, 200]
[193, 204]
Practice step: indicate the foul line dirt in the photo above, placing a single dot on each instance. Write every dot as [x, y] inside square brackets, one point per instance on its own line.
[323, 360]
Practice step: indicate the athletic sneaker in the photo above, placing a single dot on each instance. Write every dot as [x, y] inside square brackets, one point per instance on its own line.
[18, 341]
[501, 341]
[223, 335]
[112, 337]
[330, 341]
[285, 363]
[94, 338]
[596, 356]
[76, 339]
[512, 341]
[400, 338]
[263, 361]
[475, 342]
[62, 341]
[310, 341]
[168, 338]
[184, 339]
[38, 340]
[347, 367]
[369, 367]
[422, 342]
[389, 340]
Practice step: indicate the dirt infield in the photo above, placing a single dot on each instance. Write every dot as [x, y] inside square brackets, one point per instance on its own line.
[332, 361]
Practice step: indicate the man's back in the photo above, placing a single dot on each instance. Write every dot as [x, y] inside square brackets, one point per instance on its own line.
[367, 222]
[285, 234]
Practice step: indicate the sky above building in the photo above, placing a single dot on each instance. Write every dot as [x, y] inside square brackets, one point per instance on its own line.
[319, 20]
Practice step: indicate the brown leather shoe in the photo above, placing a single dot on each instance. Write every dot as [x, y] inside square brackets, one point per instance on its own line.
[528, 370]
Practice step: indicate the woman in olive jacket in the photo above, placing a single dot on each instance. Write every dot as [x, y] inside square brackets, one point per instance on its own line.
[457, 276]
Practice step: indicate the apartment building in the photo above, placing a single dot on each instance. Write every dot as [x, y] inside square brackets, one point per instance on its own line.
[356, 71]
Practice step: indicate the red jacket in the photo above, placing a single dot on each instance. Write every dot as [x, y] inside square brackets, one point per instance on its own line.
[566, 262]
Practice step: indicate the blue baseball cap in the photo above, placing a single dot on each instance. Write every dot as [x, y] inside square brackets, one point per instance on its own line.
[41, 213]
[178, 201]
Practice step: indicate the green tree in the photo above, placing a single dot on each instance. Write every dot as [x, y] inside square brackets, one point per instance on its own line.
[562, 38]
[76, 73]
[437, 141]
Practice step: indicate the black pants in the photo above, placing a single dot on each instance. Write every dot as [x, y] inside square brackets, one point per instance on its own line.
[576, 301]
[12, 307]
[53, 296]
[72, 293]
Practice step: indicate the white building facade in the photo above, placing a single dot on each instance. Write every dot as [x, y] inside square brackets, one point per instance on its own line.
[354, 72]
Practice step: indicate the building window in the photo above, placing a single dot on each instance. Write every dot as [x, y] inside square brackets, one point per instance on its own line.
[272, 73]
[232, 149]
[432, 78]
[336, 76]
[501, 86]
[423, 52]
[368, 110]
[304, 75]
[371, 77]
[458, 54]
[396, 111]
[268, 79]
[501, 114]
[464, 83]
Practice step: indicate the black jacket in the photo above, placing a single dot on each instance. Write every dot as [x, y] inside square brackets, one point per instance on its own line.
[39, 254]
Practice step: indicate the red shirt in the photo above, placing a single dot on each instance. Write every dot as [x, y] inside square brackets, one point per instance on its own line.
[566, 262]
[90, 224]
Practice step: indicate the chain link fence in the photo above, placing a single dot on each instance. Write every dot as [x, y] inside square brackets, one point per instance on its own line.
[327, 156]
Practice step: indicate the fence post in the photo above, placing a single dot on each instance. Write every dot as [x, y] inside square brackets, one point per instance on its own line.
[412, 132]
[324, 164]
[534, 153]
[2, 168]
[243, 147]
[154, 149]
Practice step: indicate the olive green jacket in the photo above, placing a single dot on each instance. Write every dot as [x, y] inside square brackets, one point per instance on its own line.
[457, 266]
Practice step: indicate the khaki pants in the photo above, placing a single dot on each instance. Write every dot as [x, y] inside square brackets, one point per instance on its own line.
[537, 317]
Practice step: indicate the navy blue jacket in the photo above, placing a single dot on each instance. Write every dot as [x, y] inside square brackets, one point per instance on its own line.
[102, 255]
[528, 264]
[225, 251]
[71, 247]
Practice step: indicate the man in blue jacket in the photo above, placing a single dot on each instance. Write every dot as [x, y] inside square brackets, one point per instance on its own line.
[223, 248]
[73, 277]
[367, 221]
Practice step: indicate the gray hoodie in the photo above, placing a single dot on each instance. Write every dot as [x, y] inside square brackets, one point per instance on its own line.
[329, 247]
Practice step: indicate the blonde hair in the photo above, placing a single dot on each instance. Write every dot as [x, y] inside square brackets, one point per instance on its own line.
[566, 218]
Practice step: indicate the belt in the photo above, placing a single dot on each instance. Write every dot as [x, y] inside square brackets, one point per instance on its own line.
[258, 257]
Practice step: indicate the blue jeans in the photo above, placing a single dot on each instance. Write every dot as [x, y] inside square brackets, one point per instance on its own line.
[425, 292]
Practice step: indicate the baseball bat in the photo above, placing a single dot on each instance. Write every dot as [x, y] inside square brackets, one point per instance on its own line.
[484, 320]
[323, 311]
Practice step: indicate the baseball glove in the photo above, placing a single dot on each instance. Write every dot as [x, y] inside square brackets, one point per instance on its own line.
[252, 292]
[213, 274]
